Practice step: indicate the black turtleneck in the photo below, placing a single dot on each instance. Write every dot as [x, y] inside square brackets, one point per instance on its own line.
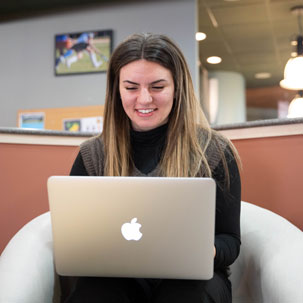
[147, 147]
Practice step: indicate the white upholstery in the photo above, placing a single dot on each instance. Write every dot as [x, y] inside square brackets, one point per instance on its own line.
[26, 264]
[269, 268]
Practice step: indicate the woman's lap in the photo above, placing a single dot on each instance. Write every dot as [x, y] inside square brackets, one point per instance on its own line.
[105, 290]
[215, 290]
[95, 290]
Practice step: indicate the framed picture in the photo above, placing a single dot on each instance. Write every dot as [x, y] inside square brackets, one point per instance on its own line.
[84, 52]
[88, 124]
[33, 120]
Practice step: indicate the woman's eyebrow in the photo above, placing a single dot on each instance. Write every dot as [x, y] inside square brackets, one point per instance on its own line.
[130, 82]
[157, 81]
[152, 83]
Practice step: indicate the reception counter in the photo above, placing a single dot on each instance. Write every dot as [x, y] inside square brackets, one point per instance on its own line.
[271, 153]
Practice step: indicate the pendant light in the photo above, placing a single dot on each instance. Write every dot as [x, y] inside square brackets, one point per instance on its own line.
[293, 72]
[295, 109]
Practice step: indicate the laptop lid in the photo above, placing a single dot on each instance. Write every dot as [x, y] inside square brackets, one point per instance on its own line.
[144, 227]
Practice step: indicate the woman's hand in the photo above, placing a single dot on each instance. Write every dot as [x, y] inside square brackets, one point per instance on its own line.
[214, 251]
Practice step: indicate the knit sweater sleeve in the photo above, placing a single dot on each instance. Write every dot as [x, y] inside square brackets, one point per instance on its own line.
[228, 203]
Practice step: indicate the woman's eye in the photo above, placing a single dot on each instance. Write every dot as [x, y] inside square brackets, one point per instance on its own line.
[130, 88]
[158, 87]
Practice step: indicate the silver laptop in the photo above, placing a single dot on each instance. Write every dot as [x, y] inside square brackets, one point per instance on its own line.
[143, 227]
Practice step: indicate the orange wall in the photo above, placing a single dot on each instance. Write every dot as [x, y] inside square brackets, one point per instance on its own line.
[271, 177]
[24, 170]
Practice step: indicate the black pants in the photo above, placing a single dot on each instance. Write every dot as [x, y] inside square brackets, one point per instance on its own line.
[126, 290]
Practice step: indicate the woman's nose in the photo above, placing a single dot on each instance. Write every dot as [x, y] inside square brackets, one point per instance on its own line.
[144, 96]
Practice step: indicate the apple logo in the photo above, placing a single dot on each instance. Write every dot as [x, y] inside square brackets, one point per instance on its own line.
[131, 231]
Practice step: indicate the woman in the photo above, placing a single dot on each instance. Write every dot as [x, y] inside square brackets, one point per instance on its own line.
[154, 126]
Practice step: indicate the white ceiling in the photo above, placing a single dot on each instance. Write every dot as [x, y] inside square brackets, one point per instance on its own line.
[251, 36]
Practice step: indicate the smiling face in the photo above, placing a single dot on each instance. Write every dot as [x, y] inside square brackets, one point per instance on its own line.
[147, 94]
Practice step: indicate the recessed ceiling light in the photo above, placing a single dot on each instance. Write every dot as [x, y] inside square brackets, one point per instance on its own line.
[262, 75]
[200, 36]
[294, 43]
[214, 60]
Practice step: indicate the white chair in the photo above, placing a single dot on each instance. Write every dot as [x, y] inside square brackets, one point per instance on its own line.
[269, 268]
[26, 265]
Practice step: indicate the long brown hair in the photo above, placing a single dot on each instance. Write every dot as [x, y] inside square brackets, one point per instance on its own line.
[183, 155]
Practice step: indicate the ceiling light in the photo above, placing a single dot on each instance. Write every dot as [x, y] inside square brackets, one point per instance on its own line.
[294, 43]
[200, 36]
[214, 60]
[262, 75]
[295, 109]
[293, 72]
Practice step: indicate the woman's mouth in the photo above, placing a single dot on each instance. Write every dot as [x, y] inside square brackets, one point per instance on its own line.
[146, 111]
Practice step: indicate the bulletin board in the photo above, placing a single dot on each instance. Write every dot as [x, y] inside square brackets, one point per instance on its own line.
[83, 118]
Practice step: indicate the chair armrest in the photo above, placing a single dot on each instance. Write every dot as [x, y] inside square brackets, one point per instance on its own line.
[26, 264]
[270, 266]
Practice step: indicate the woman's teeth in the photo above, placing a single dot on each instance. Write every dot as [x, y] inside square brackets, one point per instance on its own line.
[145, 111]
